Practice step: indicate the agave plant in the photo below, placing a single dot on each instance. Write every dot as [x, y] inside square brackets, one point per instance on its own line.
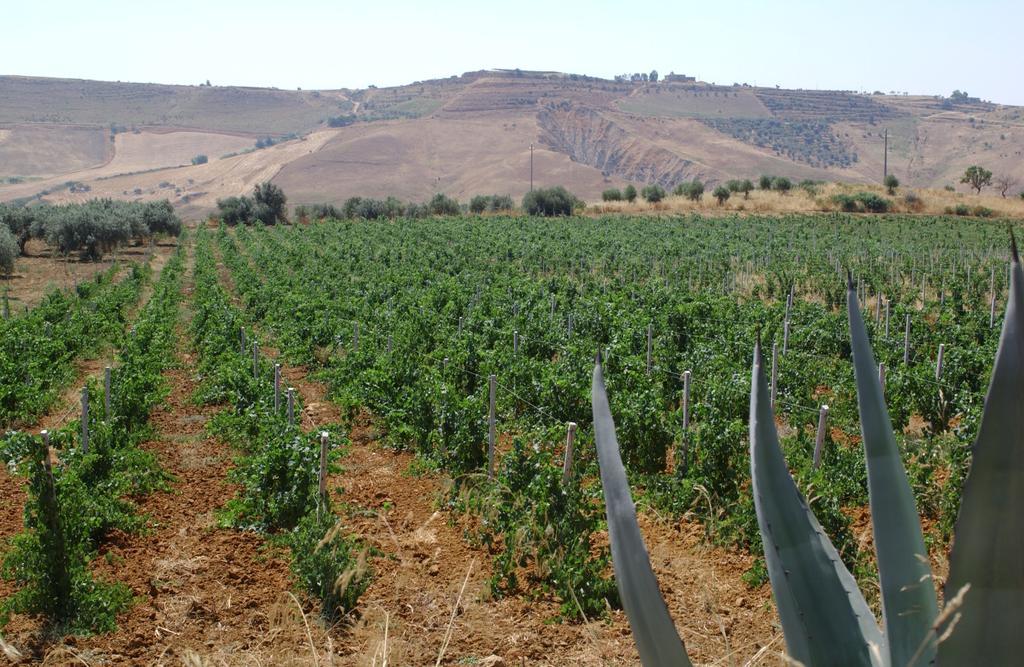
[824, 617]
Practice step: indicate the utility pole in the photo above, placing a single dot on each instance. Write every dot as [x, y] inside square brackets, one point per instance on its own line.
[530, 167]
[885, 159]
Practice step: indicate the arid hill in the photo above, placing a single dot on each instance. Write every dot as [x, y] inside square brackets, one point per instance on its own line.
[67, 140]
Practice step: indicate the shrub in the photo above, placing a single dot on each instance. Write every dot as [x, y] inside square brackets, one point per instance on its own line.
[846, 203]
[340, 121]
[629, 193]
[271, 202]
[962, 209]
[810, 186]
[653, 193]
[481, 203]
[721, 193]
[550, 202]
[782, 184]
[872, 202]
[891, 183]
[200, 159]
[982, 212]
[236, 210]
[913, 201]
[502, 203]
[442, 204]
[692, 190]
[612, 194]
[8, 250]
[328, 563]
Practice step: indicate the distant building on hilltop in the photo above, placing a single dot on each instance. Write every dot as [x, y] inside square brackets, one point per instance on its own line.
[672, 77]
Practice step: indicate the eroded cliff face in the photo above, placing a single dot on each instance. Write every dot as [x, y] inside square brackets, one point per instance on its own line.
[592, 138]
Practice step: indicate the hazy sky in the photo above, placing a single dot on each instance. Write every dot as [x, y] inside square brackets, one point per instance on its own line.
[916, 46]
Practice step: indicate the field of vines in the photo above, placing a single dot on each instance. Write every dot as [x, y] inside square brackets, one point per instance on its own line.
[410, 321]
[467, 345]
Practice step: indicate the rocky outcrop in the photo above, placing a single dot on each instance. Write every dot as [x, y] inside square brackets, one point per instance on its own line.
[591, 138]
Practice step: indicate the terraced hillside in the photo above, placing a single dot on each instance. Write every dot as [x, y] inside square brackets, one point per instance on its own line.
[64, 140]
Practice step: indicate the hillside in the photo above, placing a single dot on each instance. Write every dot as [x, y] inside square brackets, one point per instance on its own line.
[66, 140]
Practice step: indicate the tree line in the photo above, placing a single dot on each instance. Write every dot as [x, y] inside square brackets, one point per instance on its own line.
[91, 228]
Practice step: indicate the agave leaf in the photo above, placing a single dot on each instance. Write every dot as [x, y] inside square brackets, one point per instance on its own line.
[908, 596]
[824, 616]
[655, 634]
[988, 548]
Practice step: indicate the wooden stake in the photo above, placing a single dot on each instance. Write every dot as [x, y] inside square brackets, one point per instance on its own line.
[650, 346]
[492, 383]
[322, 475]
[570, 440]
[255, 360]
[819, 438]
[938, 361]
[515, 342]
[906, 341]
[686, 399]
[291, 406]
[85, 421]
[785, 337]
[106, 391]
[277, 388]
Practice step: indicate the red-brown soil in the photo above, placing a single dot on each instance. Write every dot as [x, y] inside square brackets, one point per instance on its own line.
[214, 596]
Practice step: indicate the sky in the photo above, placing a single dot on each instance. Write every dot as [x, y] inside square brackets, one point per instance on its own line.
[914, 46]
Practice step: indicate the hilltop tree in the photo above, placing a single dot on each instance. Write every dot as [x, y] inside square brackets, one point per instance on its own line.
[653, 76]
[891, 183]
[629, 193]
[977, 177]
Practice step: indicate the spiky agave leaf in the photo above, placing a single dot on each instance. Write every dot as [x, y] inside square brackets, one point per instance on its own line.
[655, 634]
[909, 606]
[824, 616]
[988, 547]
